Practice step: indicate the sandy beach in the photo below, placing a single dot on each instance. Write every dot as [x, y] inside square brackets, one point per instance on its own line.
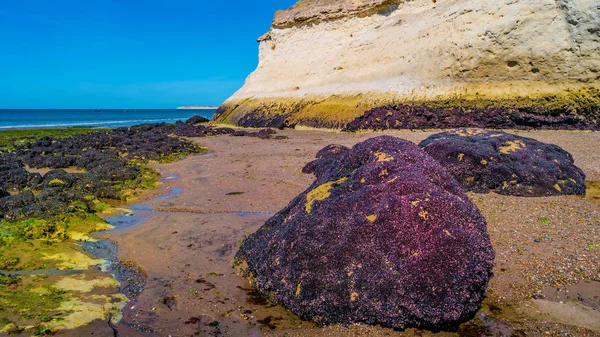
[546, 282]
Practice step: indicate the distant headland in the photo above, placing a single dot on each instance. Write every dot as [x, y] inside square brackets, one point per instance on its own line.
[199, 107]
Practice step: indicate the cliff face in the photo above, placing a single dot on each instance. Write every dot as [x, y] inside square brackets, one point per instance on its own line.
[327, 63]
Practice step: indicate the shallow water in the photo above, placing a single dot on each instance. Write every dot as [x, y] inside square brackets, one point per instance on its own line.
[138, 213]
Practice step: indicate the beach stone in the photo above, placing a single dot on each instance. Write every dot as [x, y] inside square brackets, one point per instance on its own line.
[197, 119]
[484, 161]
[384, 236]
[10, 206]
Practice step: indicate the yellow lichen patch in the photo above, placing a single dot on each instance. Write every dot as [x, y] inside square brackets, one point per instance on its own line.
[383, 157]
[80, 284]
[505, 184]
[415, 254]
[56, 182]
[372, 217]
[321, 193]
[461, 156]
[424, 215]
[283, 281]
[384, 173]
[470, 179]
[277, 261]
[449, 234]
[353, 296]
[484, 162]
[512, 146]
[73, 260]
[350, 273]
[418, 201]
[298, 289]
[468, 132]
[557, 187]
[573, 180]
[82, 313]
[362, 180]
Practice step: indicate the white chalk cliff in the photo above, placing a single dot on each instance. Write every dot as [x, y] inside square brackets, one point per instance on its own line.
[324, 63]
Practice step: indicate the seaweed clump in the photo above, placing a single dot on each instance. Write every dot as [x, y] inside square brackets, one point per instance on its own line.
[384, 236]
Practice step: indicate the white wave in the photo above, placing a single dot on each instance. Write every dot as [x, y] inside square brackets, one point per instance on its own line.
[27, 126]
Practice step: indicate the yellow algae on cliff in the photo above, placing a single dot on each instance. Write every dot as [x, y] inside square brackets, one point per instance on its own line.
[321, 193]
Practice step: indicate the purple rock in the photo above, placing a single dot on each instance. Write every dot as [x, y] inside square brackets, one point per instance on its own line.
[197, 119]
[483, 161]
[383, 236]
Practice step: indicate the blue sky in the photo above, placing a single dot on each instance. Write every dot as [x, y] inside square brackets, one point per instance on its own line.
[128, 53]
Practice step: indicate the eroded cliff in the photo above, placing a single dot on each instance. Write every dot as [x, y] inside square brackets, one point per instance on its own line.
[423, 63]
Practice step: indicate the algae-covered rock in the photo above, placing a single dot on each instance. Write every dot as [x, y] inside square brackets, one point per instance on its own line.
[383, 236]
[196, 120]
[484, 161]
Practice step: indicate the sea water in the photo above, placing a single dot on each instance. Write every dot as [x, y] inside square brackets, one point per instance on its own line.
[22, 119]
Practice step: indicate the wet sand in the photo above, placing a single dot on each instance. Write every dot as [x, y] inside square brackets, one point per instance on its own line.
[547, 274]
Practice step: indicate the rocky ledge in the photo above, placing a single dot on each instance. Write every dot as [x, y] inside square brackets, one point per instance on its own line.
[331, 63]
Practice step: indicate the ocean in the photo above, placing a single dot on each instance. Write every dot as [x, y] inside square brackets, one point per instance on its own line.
[59, 118]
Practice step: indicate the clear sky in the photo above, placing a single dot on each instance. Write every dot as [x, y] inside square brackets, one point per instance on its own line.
[128, 53]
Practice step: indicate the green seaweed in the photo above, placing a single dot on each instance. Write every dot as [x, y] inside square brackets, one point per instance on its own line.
[10, 139]
[235, 193]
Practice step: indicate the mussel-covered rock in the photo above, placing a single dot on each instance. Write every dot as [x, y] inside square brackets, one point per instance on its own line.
[13, 175]
[10, 206]
[484, 161]
[383, 236]
[197, 119]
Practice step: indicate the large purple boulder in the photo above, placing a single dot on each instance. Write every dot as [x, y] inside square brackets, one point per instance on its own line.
[484, 161]
[383, 236]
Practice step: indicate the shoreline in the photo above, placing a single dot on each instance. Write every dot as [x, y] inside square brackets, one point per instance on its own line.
[186, 245]
[187, 252]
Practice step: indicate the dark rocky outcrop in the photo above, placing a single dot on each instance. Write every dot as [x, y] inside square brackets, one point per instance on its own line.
[383, 236]
[484, 161]
[13, 175]
[196, 120]
[262, 134]
[428, 117]
[107, 158]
